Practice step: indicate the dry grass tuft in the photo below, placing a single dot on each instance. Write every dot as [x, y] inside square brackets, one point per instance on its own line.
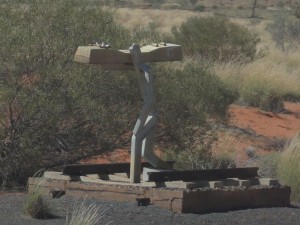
[84, 214]
[266, 81]
[35, 205]
[289, 169]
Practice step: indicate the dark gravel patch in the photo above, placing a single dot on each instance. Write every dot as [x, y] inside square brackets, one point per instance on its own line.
[126, 213]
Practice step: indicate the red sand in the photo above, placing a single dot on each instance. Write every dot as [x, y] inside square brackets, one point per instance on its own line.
[266, 123]
[269, 130]
[118, 155]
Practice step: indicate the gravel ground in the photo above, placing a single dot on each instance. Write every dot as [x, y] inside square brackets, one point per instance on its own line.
[124, 213]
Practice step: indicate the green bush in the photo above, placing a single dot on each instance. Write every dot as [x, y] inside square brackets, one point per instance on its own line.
[215, 38]
[199, 8]
[188, 96]
[53, 110]
[288, 169]
[285, 31]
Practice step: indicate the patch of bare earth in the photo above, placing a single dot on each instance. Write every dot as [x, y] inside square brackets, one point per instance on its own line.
[250, 127]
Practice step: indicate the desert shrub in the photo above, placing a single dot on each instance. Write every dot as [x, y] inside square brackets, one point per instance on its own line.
[170, 6]
[194, 88]
[285, 31]
[53, 110]
[199, 8]
[297, 13]
[288, 169]
[198, 155]
[193, 149]
[215, 38]
[193, 2]
[280, 4]
[155, 3]
[188, 95]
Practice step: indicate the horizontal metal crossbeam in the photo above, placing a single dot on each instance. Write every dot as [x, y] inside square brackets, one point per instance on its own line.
[207, 175]
[109, 168]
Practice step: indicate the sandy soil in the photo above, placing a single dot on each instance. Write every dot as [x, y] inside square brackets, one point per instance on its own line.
[282, 125]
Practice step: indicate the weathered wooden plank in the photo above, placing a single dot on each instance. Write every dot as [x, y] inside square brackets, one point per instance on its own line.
[208, 175]
[110, 168]
[150, 53]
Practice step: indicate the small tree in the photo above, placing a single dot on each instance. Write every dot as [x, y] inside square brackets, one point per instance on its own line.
[215, 38]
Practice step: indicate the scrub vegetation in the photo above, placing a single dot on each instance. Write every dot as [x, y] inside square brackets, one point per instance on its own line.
[288, 168]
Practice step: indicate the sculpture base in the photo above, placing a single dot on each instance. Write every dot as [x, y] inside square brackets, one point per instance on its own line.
[174, 196]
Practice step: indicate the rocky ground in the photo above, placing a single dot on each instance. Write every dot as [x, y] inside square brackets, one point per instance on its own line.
[124, 213]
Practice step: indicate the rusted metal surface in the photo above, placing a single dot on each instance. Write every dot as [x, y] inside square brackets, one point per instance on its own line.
[208, 175]
[77, 169]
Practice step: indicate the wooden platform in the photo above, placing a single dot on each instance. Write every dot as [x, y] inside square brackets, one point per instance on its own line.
[177, 196]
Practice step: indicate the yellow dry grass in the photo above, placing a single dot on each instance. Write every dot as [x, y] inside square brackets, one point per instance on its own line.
[276, 72]
[164, 19]
[288, 168]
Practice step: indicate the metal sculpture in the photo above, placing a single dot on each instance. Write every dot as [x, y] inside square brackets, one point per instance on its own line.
[142, 141]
